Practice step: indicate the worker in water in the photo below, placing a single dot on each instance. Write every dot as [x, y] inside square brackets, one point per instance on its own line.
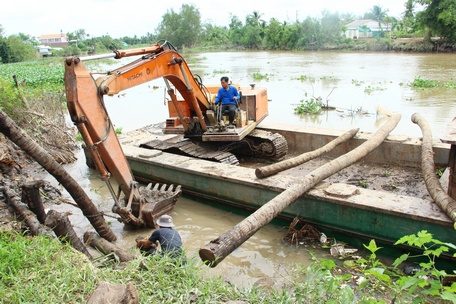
[168, 238]
[228, 96]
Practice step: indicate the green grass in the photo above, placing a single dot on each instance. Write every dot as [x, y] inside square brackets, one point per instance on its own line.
[42, 270]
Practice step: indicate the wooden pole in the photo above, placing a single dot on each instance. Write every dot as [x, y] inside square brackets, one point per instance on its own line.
[216, 250]
[443, 200]
[18, 86]
[305, 157]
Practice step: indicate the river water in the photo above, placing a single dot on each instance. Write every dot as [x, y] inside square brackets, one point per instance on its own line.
[351, 82]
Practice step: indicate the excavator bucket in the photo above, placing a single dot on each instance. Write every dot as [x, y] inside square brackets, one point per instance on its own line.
[157, 201]
[154, 201]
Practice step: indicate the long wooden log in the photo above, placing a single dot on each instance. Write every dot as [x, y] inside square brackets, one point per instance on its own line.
[63, 229]
[25, 214]
[440, 197]
[94, 240]
[31, 197]
[217, 250]
[305, 157]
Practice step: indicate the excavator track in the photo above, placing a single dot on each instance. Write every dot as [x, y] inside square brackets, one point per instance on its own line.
[188, 148]
[266, 144]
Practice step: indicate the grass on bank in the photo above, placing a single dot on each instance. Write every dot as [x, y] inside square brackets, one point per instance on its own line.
[41, 270]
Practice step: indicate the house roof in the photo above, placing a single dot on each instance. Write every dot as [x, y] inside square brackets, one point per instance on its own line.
[369, 23]
[50, 36]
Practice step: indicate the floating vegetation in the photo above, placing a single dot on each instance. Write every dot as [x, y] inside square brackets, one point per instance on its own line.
[330, 78]
[428, 83]
[370, 89]
[259, 76]
[36, 74]
[308, 106]
[305, 78]
[221, 71]
[357, 83]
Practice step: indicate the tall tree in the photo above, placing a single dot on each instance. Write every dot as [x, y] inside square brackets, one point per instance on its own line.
[235, 30]
[440, 17]
[379, 15]
[214, 35]
[331, 27]
[254, 31]
[274, 34]
[13, 49]
[183, 28]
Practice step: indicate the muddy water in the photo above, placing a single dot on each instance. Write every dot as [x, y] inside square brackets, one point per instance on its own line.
[263, 256]
[350, 81]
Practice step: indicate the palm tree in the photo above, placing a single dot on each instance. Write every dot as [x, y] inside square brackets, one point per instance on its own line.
[379, 15]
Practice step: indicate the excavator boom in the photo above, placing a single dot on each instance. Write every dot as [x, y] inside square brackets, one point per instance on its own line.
[191, 113]
[87, 111]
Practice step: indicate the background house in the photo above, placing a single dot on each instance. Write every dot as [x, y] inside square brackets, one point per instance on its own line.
[366, 28]
[54, 40]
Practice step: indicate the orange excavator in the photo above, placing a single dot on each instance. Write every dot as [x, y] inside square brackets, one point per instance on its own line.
[192, 113]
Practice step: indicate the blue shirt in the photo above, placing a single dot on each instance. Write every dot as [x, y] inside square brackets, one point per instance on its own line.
[226, 96]
[169, 239]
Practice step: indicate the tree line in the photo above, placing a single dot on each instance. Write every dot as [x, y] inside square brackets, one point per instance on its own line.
[184, 28]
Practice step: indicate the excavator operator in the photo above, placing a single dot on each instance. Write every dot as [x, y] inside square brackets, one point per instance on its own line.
[228, 95]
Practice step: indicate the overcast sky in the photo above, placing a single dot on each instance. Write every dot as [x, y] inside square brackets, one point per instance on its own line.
[138, 17]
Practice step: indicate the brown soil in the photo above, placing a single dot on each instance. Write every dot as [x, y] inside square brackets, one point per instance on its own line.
[399, 180]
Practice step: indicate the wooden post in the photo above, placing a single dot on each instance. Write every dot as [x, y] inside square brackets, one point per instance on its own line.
[216, 250]
[31, 197]
[305, 157]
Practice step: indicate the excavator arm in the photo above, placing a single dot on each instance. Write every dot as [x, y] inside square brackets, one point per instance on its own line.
[87, 110]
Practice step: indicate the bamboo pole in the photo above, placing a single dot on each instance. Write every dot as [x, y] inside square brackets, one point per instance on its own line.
[305, 157]
[442, 199]
[218, 249]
